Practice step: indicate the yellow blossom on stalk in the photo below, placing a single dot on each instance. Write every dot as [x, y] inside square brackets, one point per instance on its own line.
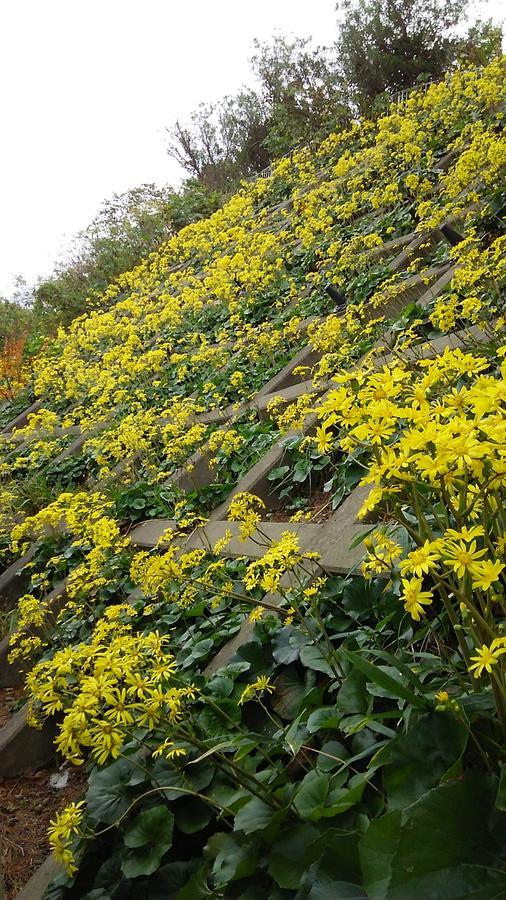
[323, 439]
[462, 558]
[442, 696]
[168, 750]
[244, 509]
[414, 598]
[486, 657]
[422, 560]
[486, 573]
[61, 833]
[256, 614]
[281, 557]
[255, 690]
[105, 688]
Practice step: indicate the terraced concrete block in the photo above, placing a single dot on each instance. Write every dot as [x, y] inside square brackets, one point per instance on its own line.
[286, 377]
[383, 250]
[444, 162]
[255, 482]
[226, 653]
[15, 579]
[22, 419]
[147, 534]
[12, 673]
[22, 747]
[413, 288]
[36, 887]
[417, 247]
[198, 472]
[436, 287]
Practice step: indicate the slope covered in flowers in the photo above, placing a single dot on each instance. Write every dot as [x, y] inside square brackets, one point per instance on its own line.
[364, 712]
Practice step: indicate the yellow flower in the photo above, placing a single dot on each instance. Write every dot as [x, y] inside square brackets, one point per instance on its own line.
[414, 598]
[486, 657]
[256, 613]
[485, 573]
[323, 439]
[462, 558]
[256, 689]
[422, 560]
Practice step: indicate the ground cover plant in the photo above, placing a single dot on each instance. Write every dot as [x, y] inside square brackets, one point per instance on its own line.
[350, 743]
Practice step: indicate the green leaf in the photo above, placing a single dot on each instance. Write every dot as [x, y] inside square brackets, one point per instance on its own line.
[327, 717]
[337, 868]
[340, 799]
[440, 846]
[253, 816]
[277, 473]
[192, 815]
[109, 793]
[378, 676]
[287, 644]
[215, 725]
[500, 800]
[148, 838]
[290, 692]
[416, 761]
[325, 763]
[313, 658]
[152, 826]
[287, 862]
[175, 875]
[233, 857]
[220, 686]
[352, 696]
[310, 798]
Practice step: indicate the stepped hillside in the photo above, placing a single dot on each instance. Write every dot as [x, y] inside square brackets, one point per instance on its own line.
[252, 535]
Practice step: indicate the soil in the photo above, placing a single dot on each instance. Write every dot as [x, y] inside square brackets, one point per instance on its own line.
[9, 698]
[319, 505]
[27, 803]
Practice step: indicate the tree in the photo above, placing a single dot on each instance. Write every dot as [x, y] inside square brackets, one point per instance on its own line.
[298, 98]
[389, 45]
[126, 229]
[301, 91]
[481, 44]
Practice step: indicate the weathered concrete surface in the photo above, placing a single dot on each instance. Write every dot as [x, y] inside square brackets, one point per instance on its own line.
[436, 287]
[286, 378]
[255, 482]
[289, 394]
[12, 673]
[14, 580]
[382, 250]
[410, 289]
[331, 540]
[148, 533]
[36, 887]
[197, 472]
[22, 747]
[416, 248]
[22, 419]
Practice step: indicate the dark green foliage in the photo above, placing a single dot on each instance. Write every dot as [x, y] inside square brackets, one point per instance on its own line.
[386, 47]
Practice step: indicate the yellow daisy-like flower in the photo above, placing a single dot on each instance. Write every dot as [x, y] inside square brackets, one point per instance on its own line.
[486, 657]
[422, 560]
[462, 558]
[256, 689]
[414, 598]
[323, 439]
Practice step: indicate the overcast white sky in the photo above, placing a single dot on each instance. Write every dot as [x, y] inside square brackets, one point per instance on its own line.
[88, 87]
